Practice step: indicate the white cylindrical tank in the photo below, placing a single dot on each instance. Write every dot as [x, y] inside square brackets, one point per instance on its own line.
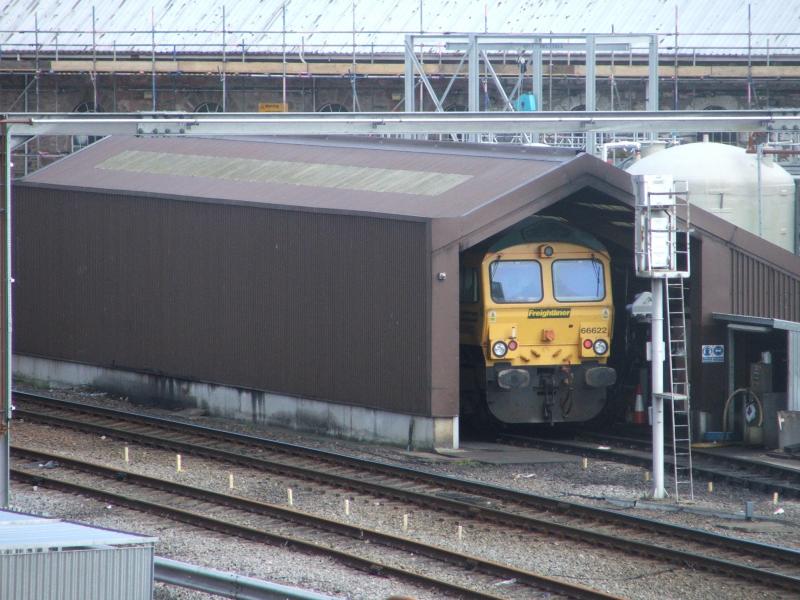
[723, 180]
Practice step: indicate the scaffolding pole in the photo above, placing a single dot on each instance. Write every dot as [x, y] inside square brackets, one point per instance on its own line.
[153, 59]
[652, 75]
[224, 65]
[591, 89]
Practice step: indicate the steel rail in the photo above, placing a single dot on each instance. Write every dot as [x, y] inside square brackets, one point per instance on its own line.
[779, 470]
[465, 561]
[749, 473]
[474, 508]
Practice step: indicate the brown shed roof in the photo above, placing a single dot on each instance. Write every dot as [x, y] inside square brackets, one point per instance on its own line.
[370, 176]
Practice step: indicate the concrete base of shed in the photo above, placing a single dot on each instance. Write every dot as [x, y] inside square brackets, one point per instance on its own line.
[302, 414]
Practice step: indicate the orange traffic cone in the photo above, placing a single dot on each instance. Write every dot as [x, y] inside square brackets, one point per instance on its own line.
[638, 408]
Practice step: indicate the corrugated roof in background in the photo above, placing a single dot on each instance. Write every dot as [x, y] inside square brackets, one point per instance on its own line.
[719, 26]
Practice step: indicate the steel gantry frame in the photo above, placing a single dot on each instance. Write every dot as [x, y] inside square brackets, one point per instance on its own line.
[18, 128]
[476, 49]
[24, 126]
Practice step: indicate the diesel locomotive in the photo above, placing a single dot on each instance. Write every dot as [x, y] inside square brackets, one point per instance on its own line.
[536, 321]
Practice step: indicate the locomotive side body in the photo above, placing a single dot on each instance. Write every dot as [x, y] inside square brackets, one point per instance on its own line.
[536, 323]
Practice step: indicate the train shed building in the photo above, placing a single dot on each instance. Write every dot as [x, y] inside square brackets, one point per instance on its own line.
[314, 283]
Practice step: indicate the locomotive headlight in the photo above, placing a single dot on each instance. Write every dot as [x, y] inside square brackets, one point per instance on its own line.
[499, 349]
[600, 347]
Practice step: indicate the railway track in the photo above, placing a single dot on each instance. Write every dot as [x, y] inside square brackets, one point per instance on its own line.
[762, 564]
[456, 573]
[706, 465]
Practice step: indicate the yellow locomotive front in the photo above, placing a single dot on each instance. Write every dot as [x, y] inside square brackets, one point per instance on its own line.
[536, 324]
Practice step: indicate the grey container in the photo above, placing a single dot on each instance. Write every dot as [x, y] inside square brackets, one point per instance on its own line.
[46, 559]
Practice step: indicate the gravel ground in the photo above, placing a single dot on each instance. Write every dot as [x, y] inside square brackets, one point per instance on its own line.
[591, 566]
[216, 551]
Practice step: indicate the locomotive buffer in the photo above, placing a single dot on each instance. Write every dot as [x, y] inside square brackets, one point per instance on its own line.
[662, 255]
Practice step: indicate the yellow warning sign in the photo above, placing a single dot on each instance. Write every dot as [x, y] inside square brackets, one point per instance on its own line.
[273, 107]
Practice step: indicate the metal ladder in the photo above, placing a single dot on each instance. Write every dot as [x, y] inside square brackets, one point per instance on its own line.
[679, 388]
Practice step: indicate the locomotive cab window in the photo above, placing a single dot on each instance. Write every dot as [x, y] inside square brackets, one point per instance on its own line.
[516, 281]
[578, 280]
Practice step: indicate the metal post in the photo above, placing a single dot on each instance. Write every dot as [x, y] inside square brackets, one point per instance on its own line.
[473, 79]
[675, 104]
[94, 62]
[797, 219]
[657, 385]
[353, 67]
[283, 46]
[652, 75]
[749, 60]
[409, 74]
[550, 80]
[152, 59]
[224, 65]
[536, 75]
[25, 147]
[731, 351]
[759, 156]
[591, 98]
[37, 75]
[5, 364]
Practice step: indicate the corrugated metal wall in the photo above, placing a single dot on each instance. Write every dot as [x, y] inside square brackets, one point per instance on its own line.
[315, 305]
[120, 573]
[761, 290]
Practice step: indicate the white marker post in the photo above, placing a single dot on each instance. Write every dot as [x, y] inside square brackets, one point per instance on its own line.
[657, 385]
